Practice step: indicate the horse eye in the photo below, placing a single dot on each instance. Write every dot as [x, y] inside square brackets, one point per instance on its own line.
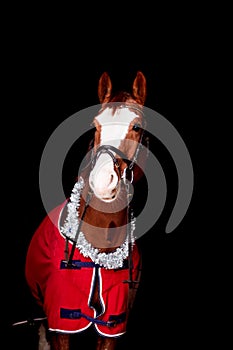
[136, 127]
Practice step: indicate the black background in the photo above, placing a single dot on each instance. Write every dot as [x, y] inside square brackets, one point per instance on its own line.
[49, 79]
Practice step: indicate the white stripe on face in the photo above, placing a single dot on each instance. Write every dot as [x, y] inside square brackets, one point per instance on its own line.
[114, 127]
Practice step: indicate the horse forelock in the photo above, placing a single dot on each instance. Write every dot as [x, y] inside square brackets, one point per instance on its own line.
[121, 97]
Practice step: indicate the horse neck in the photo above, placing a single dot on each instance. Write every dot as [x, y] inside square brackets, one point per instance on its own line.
[104, 224]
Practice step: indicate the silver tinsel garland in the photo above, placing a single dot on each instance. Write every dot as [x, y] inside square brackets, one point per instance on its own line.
[111, 260]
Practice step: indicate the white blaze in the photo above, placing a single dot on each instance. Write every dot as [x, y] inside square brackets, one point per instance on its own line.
[114, 128]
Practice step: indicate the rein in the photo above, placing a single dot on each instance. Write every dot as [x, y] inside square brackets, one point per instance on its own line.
[69, 260]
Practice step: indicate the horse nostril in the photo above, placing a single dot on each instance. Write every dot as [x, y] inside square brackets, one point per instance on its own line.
[112, 181]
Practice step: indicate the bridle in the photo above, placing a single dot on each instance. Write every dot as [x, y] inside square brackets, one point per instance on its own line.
[110, 150]
[127, 175]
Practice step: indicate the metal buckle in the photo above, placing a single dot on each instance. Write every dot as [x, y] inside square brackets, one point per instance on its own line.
[124, 175]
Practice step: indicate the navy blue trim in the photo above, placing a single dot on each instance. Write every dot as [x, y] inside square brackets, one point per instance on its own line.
[71, 314]
[118, 318]
[77, 264]
[75, 314]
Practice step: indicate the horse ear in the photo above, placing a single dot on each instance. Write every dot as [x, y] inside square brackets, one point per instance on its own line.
[104, 88]
[139, 88]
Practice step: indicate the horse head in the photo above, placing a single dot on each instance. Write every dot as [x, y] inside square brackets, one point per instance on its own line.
[119, 128]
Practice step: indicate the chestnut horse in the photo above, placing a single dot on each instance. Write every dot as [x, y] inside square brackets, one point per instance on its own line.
[83, 263]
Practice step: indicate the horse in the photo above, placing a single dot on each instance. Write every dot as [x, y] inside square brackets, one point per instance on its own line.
[83, 263]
